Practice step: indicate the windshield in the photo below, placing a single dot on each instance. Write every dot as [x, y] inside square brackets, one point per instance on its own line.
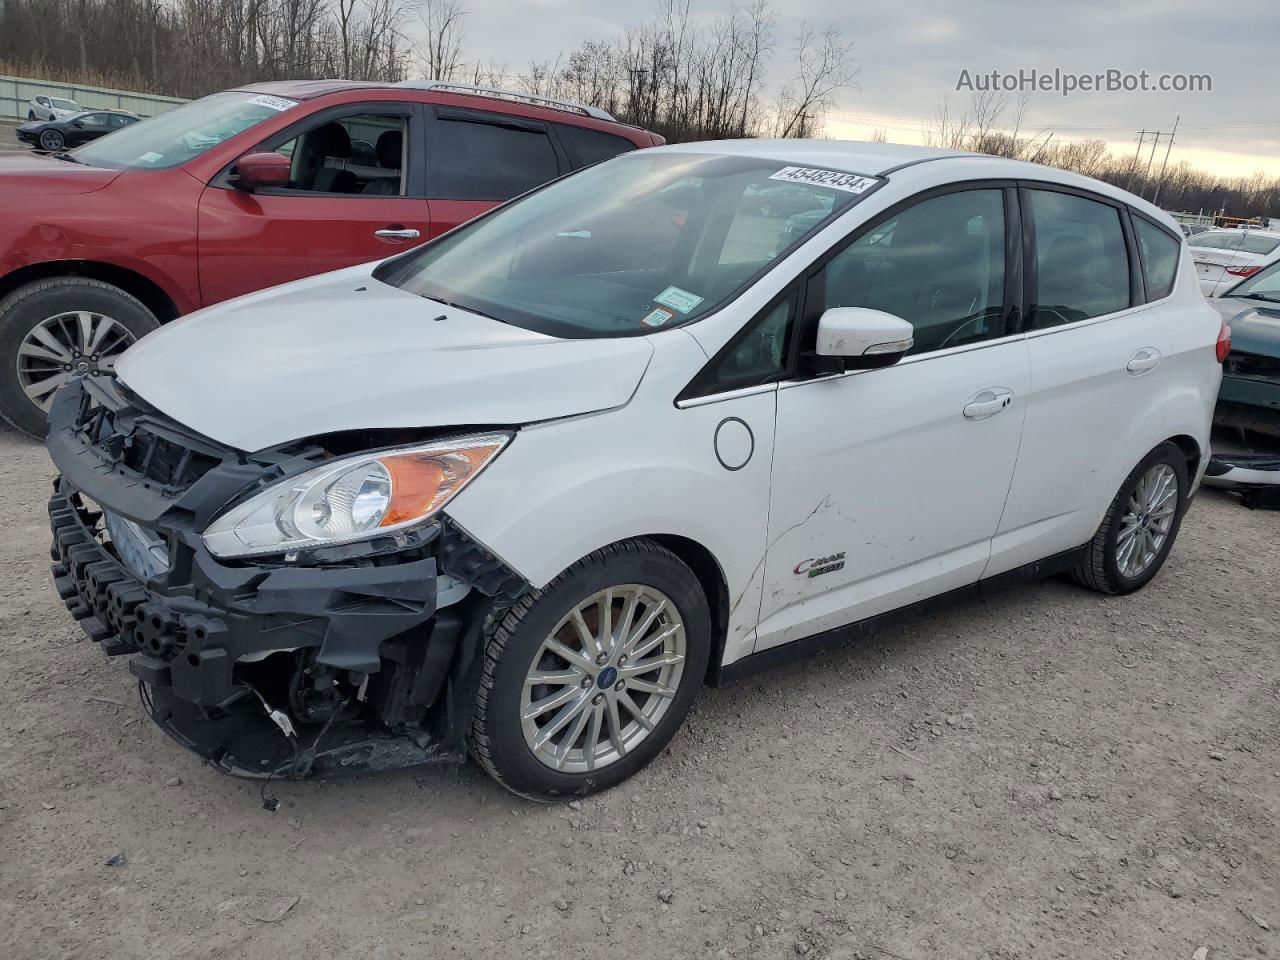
[64, 104]
[181, 134]
[638, 243]
[1241, 240]
[1264, 285]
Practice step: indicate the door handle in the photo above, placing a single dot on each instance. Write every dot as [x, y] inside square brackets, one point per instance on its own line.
[397, 233]
[1144, 361]
[988, 403]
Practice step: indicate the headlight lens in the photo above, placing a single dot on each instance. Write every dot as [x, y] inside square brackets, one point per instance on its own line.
[354, 498]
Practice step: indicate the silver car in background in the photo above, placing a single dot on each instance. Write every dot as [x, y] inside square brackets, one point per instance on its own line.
[51, 108]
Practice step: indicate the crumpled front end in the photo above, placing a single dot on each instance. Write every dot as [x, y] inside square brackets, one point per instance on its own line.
[338, 662]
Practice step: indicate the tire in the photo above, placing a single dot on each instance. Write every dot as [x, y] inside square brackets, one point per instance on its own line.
[52, 141]
[500, 736]
[29, 307]
[1104, 566]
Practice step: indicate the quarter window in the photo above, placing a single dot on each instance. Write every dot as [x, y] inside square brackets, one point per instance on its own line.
[758, 355]
[938, 264]
[489, 161]
[1159, 256]
[1082, 263]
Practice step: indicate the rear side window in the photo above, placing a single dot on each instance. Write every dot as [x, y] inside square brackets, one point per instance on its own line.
[1082, 263]
[1159, 256]
[488, 161]
[586, 146]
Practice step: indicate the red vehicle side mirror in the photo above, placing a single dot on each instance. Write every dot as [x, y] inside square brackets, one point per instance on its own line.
[256, 170]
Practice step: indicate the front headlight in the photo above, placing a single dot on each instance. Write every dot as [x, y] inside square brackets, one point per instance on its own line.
[353, 498]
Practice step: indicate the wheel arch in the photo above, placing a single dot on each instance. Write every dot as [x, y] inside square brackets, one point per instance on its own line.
[153, 296]
[1191, 450]
[714, 586]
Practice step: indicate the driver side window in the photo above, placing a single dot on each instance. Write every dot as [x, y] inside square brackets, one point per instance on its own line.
[939, 264]
[362, 154]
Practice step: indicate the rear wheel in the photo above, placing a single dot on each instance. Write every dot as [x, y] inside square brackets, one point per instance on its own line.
[587, 680]
[54, 330]
[1140, 526]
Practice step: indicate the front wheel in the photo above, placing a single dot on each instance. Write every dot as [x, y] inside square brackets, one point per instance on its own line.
[52, 140]
[1140, 526]
[53, 330]
[585, 681]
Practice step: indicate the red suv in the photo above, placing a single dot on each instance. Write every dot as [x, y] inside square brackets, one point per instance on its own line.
[246, 189]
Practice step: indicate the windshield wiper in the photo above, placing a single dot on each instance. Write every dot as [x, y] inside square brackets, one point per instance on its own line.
[1258, 296]
[64, 156]
[480, 313]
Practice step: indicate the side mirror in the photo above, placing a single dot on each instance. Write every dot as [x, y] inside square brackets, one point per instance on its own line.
[256, 170]
[858, 338]
[77, 123]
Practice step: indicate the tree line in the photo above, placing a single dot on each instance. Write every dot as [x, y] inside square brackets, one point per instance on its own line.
[683, 75]
[991, 124]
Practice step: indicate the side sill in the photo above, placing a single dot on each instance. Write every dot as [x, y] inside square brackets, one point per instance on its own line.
[865, 629]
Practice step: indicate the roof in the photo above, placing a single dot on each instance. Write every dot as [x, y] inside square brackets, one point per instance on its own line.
[885, 159]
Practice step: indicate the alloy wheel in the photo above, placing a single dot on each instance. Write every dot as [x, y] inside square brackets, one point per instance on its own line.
[74, 344]
[1148, 518]
[603, 679]
[52, 140]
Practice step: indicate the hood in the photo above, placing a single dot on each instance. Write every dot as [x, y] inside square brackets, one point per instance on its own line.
[1255, 327]
[31, 174]
[346, 352]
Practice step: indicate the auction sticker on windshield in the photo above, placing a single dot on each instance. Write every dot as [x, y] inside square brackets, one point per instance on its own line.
[835, 179]
[275, 103]
[658, 317]
[678, 299]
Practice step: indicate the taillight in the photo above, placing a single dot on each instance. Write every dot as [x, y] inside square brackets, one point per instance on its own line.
[1243, 271]
[1223, 346]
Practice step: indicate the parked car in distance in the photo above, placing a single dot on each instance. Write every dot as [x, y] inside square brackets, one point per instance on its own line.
[1224, 257]
[1250, 394]
[250, 188]
[51, 108]
[527, 488]
[55, 135]
[1192, 229]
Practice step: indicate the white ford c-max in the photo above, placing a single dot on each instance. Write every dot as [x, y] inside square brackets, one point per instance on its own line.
[524, 489]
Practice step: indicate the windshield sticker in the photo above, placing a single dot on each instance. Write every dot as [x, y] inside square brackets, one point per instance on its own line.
[678, 299]
[275, 103]
[848, 182]
[658, 317]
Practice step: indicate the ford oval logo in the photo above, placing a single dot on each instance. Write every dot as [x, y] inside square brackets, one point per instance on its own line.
[607, 677]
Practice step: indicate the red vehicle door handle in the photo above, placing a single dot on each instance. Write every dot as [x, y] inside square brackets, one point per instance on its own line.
[397, 233]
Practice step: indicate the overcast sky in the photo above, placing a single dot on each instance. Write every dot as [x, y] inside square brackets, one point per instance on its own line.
[910, 54]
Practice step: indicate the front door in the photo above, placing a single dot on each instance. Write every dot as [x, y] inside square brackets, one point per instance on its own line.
[356, 193]
[888, 484]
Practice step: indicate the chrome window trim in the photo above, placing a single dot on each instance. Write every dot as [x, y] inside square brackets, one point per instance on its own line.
[727, 395]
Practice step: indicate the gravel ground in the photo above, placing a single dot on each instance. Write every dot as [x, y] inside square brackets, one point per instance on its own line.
[9, 139]
[1048, 773]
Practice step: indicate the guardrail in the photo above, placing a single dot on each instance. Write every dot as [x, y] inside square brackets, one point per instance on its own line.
[16, 92]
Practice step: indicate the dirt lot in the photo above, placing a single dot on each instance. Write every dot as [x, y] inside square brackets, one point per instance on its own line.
[1046, 774]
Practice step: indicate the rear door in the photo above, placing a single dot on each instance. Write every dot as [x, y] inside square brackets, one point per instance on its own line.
[477, 159]
[357, 192]
[1100, 372]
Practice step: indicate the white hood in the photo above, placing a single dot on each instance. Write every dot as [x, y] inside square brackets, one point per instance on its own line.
[344, 352]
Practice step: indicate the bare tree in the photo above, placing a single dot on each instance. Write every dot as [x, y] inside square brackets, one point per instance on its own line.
[824, 64]
[441, 48]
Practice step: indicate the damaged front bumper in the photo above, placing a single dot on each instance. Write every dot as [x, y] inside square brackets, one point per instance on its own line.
[267, 668]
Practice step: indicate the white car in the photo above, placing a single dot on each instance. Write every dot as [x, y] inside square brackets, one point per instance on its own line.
[1225, 257]
[51, 108]
[525, 489]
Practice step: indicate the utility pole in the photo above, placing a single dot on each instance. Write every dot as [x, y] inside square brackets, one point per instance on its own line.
[1155, 140]
[1165, 165]
[1142, 135]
